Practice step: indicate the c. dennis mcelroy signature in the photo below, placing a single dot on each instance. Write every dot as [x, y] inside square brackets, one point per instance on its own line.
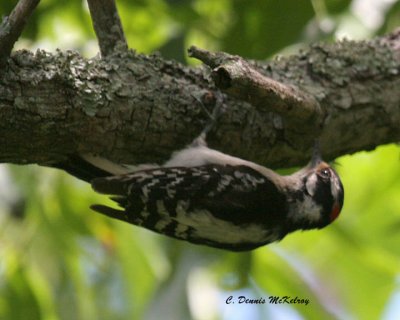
[270, 299]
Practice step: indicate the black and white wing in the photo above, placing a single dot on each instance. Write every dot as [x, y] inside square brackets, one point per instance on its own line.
[223, 206]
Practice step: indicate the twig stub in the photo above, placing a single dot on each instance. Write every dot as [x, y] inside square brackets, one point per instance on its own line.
[12, 26]
[107, 25]
[238, 78]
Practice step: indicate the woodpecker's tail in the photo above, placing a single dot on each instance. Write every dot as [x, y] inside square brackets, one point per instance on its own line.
[81, 168]
[88, 167]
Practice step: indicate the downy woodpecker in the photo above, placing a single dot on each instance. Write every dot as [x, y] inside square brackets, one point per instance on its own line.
[207, 197]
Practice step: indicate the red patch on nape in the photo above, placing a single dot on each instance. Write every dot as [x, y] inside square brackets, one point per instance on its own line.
[335, 211]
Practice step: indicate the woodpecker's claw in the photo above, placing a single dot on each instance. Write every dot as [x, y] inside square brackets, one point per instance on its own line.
[211, 123]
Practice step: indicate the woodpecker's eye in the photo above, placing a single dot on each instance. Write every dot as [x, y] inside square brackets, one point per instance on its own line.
[325, 173]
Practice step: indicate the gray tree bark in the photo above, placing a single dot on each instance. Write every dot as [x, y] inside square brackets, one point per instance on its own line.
[134, 108]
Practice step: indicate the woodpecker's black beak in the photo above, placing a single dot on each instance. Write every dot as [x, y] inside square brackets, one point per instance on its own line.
[316, 156]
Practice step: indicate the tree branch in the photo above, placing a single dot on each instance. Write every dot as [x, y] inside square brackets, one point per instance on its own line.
[135, 108]
[237, 77]
[107, 26]
[12, 26]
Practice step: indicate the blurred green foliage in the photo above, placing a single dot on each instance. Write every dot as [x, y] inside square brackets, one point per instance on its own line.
[59, 260]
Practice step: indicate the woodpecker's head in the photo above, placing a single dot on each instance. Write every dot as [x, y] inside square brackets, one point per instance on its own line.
[319, 199]
[323, 186]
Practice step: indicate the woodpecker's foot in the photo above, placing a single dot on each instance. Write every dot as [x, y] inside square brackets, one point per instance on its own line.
[218, 110]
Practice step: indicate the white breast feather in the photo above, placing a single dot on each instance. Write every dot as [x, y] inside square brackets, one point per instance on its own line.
[206, 226]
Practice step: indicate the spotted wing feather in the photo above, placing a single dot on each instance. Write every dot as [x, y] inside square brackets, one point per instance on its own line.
[221, 206]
